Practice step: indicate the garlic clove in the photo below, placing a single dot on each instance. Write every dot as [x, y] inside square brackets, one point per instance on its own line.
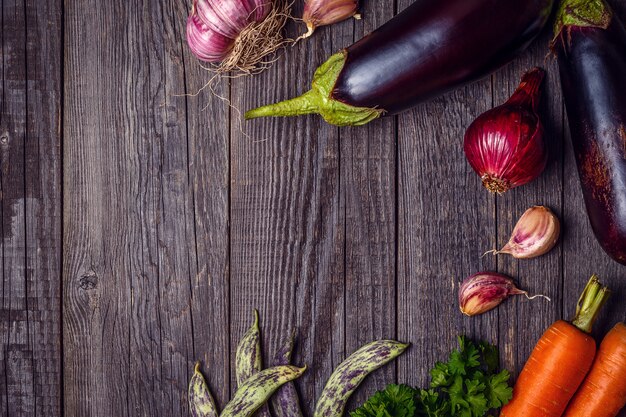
[484, 291]
[205, 43]
[326, 12]
[535, 234]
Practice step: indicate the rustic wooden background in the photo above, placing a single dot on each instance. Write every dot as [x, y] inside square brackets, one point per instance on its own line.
[140, 226]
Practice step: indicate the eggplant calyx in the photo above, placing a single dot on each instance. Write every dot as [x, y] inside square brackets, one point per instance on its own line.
[318, 100]
[582, 13]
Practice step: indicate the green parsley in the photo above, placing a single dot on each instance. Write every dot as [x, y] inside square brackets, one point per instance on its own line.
[467, 385]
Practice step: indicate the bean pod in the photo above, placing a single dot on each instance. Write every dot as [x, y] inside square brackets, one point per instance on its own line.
[248, 356]
[285, 402]
[201, 403]
[248, 359]
[256, 390]
[351, 372]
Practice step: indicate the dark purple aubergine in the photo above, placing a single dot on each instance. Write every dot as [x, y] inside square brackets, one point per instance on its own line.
[590, 43]
[429, 48]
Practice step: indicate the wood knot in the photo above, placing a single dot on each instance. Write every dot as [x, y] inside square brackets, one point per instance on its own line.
[4, 139]
[89, 281]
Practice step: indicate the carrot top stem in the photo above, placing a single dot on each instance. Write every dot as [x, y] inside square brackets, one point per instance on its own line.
[589, 304]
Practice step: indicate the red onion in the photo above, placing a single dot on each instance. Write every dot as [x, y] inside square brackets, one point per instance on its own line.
[505, 145]
[326, 12]
[236, 33]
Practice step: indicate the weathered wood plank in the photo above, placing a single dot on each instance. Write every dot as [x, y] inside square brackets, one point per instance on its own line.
[287, 217]
[368, 178]
[133, 278]
[15, 358]
[445, 222]
[208, 141]
[31, 202]
[44, 201]
[521, 322]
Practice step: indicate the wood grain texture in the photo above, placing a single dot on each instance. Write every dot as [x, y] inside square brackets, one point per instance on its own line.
[30, 160]
[161, 219]
[446, 221]
[287, 220]
[134, 280]
[522, 320]
[368, 178]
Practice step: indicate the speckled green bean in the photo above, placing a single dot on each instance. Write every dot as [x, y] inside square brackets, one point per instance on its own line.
[351, 372]
[248, 356]
[255, 391]
[285, 402]
[201, 402]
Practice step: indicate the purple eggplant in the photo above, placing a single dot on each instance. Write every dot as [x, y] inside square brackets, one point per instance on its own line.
[590, 43]
[429, 48]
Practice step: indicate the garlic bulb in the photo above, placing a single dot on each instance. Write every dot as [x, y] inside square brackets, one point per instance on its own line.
[236, 33]
[326, 12]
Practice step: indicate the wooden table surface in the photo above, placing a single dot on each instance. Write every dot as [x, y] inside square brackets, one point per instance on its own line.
[140, 227]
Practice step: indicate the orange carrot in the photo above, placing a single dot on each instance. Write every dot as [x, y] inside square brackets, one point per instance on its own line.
[603, 392]
[559, 362]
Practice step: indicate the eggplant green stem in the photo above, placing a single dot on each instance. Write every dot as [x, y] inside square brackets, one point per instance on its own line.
[582, 13]
[589, 304]
[318, 100]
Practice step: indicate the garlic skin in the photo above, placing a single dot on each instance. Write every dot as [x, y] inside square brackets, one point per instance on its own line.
[535, 234]
[326, 12]
[484, 291]
[505, 145]
[205, 43]
[236, 33]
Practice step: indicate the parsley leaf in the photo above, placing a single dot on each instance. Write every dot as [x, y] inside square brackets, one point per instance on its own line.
[497, 390]
[467, 385]
[394, 401]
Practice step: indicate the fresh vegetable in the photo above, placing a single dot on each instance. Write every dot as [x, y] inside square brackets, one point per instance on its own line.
[201, 403]
[256, 390]
[590, 43]
[535, 234]
[248, 356]
[326, 12]
[559, 362]
[351, 372]
[603, 392]
[484, 291]
[505, 145]
[237, 34]
[248, 360]
[414, 56]
[285, 402]
[393, 401]
[465, 386]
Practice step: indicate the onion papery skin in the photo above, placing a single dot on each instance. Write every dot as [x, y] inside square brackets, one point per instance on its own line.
[505, 145]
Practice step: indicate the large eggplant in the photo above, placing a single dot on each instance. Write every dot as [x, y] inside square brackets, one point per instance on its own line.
[590, 43]
[429, 48]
